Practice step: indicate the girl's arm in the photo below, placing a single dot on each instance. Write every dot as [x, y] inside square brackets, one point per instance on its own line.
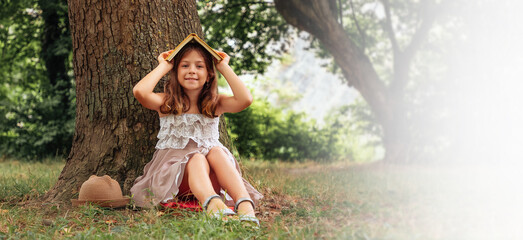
[143, 90]
[241, 98]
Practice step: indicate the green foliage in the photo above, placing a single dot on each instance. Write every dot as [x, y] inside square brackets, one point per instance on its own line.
[37, 94]
[356, 133]
[253, 34]
[268, 132]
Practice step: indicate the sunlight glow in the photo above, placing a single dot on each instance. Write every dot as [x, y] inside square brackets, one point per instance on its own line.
[483, 199]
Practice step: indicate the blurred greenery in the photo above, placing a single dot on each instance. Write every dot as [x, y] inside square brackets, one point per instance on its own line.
[253, 34]
[272, 132]
[37, 93]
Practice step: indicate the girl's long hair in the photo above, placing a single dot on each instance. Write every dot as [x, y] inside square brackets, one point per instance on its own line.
[176, 101]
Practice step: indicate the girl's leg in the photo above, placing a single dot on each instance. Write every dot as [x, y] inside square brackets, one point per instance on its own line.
[185, 190]
[197, 180]
[229, 178]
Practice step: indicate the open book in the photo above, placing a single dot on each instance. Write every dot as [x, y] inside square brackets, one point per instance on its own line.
[195, 38]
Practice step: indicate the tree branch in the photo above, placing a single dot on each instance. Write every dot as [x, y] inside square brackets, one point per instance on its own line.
[316, 18]
[402, 62]
[429, 12]
[340, 12]
[333, 6]
[362, 34]
[389, 29]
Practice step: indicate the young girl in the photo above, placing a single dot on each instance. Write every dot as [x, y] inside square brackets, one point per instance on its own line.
[189, 159]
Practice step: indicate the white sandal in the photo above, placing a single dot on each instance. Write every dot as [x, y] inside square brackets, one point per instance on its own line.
[218, 214]
[246, 218]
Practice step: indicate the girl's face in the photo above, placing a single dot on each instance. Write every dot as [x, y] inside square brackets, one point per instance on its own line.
[192, 71]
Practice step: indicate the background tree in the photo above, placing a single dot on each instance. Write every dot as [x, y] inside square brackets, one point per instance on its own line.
[373, 44]
[115, 44]
[323, 20]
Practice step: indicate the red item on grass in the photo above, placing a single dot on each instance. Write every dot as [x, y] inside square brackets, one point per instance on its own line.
[190, 205]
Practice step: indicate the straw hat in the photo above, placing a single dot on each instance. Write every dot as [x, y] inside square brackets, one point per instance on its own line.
[103, 191]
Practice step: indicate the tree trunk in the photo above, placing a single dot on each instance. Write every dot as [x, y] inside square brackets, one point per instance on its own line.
[319, 19]
[115, 44]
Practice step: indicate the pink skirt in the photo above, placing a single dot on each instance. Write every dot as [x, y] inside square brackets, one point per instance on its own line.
[163, 175]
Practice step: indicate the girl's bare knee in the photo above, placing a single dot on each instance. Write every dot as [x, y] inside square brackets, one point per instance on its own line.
[218, 157]
[216, 150]
[195, 159]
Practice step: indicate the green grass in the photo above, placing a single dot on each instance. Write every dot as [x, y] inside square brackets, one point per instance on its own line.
[302, 201]
[21, 181]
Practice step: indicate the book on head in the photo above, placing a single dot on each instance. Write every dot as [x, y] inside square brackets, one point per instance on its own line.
[195, 38]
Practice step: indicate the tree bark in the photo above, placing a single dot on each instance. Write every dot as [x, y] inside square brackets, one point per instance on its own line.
[115, 44]
[319, 19]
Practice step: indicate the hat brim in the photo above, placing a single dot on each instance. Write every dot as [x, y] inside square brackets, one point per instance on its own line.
[112, 203]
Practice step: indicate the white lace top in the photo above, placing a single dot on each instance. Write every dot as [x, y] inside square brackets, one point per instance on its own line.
[176, 130]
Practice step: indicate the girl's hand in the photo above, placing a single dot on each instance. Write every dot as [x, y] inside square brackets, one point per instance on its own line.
[241, 98]
[162, 61]
[224, 62]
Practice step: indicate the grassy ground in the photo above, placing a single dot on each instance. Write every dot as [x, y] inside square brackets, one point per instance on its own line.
[302, 201]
